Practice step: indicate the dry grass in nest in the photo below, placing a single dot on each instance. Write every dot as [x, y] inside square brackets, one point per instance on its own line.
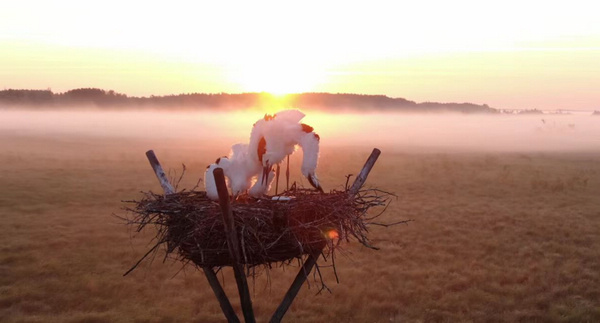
[190, 225]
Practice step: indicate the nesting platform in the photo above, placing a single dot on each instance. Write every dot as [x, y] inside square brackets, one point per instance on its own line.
[300, 224]
[268, 230]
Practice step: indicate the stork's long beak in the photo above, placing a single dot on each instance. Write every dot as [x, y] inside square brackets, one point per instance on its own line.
[314, 181]
[265, 175]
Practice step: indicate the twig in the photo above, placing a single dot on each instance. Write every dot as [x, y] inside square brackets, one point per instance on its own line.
[390, 224]
[139, 261]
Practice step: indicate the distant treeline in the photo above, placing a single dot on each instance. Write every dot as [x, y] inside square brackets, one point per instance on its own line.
[326, 101]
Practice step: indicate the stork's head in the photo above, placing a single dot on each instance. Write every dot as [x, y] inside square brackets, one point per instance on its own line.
[222, 162]
[272, 150]
[314, 181]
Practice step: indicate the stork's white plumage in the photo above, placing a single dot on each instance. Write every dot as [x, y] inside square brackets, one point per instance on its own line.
[260, 188]
[309, 141]
[272, 139]
[275, 137]
[209, 182]
[239, 170]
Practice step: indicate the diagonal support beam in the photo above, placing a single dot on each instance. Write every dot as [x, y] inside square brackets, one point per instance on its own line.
[364, 173]
[226, 307]
[312, 259]
[160, 173]
[294, 288]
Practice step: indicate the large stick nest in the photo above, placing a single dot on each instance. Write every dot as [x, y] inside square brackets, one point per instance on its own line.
[268, 231]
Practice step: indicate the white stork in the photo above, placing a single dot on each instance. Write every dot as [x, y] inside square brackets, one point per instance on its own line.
[274, 138]
[239, 170]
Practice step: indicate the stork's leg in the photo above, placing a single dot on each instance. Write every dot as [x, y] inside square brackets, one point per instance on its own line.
[287, 174]
[276, 179]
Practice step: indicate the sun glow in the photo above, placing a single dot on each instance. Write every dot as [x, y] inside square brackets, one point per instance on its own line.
[459, 51]
[278, 77]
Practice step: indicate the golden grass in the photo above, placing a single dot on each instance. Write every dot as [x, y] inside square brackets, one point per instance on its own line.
[496, 237]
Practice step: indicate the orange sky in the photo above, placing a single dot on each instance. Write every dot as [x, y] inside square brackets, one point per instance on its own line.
[508, 54]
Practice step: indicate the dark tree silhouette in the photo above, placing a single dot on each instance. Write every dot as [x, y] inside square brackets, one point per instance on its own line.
[327, 101]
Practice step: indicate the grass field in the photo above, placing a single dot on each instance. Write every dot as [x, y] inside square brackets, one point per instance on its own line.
[500, 237]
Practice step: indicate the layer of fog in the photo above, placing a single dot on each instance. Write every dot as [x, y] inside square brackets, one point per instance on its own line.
[401, 132]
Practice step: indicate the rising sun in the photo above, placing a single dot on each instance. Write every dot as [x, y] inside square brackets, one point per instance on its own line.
[276, 78]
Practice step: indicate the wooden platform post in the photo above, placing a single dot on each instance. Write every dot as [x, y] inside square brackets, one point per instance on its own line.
[213, 281]
[233, 245]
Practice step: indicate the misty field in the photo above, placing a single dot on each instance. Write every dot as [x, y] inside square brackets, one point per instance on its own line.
[497, 236]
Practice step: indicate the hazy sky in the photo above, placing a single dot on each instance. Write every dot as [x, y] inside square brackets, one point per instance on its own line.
[508, 54]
